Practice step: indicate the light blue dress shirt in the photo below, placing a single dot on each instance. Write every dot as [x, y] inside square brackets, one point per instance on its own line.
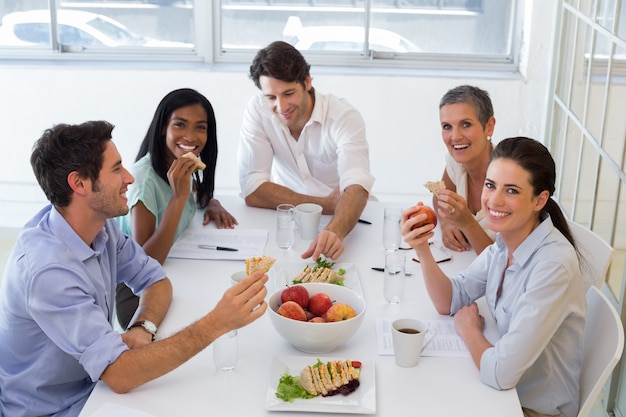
[155, 195]
[540, 315]
[56, 309]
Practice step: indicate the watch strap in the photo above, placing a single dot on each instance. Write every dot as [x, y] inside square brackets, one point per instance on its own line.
[146, 325]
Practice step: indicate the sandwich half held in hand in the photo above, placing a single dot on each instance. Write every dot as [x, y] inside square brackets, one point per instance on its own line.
[434, 186]
[261, 263]
[333, 377]
[199, 164]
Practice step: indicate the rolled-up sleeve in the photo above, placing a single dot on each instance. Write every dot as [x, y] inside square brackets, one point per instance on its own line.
[255, 152]
[353, 150]
[532, 324]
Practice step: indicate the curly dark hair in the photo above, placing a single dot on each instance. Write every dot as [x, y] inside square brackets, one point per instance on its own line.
[65, 148]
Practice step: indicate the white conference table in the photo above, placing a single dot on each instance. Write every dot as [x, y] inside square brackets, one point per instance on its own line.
[437, 386]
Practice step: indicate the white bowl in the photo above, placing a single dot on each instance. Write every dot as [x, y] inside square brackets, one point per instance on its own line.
[319, 337]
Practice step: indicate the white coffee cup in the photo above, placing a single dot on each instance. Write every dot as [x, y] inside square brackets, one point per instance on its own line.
[237, 276]
[408, 341]
[308, 217]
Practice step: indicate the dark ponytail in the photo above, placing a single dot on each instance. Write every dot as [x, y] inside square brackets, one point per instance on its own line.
[535, 159]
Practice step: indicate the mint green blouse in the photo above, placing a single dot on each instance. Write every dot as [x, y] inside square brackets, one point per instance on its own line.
[155, 194]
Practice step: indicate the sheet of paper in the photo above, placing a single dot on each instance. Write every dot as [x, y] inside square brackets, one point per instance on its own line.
[248, 242]
[110, 409]
[445, 339]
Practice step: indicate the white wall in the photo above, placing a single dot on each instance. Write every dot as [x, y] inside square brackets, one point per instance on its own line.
[401, 112]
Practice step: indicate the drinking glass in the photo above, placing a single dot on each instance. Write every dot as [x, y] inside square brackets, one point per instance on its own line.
[391, 228]
[226, 351]
[285, 224]
[394, 281]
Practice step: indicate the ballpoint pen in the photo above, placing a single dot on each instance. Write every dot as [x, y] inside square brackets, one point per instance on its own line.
[365, 221]
[439, 261]
[213, 247]
[375, 268]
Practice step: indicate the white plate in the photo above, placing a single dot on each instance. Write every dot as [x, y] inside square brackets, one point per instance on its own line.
[284, 273]
[361, 401]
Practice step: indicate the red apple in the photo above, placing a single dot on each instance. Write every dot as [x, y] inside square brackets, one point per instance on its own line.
[339, 312]
[292, 310]
[431, 217]
[319, 303]
[296, 293]
[317, 320]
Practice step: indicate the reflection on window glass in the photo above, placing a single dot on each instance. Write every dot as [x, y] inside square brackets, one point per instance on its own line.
[101, 24]
[401, 26]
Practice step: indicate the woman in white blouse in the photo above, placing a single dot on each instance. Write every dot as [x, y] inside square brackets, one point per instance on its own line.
[467, 125]
[530, 278]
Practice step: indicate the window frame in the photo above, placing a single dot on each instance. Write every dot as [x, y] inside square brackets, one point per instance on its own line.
[208, 51]
[396, 61]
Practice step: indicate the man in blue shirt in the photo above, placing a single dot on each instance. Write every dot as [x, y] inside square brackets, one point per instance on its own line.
[57, 294]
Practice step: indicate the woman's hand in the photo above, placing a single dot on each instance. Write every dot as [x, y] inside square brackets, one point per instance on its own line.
[179, 177]
[454, 215]
[418, 237]
[468, 321]
[453, 238]
[222, 218]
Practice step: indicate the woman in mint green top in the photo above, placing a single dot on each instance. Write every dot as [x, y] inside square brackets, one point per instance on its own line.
[154, 193]
[168, 188]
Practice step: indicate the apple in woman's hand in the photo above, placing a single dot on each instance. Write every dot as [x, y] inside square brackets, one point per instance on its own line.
[431, 217]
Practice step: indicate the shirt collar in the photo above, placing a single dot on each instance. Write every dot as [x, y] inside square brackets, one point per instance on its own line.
[317, 115]
[63, 231]
[524, 252]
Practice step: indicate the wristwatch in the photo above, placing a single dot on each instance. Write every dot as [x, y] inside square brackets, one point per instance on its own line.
[147, 325]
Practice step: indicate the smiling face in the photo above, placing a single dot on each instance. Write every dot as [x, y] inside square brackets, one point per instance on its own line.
[186, 131]
[509, 202]
[290, 101]
[108, 196]
[463, 134]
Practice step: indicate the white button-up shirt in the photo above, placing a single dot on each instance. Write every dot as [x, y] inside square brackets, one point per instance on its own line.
[331, 151]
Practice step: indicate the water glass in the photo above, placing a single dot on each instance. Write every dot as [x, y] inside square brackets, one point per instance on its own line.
[394, 280]
[391, 228]
[285, 225]
[226, 351]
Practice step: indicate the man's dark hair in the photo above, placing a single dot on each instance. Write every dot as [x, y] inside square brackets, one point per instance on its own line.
[65, 148]
[281, 61]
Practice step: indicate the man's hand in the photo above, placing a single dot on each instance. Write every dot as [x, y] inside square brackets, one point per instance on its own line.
[136, 338]
[241, 304]
[327, 243]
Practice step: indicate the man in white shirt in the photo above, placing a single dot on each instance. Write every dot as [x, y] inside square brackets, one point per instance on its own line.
[300, 146]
